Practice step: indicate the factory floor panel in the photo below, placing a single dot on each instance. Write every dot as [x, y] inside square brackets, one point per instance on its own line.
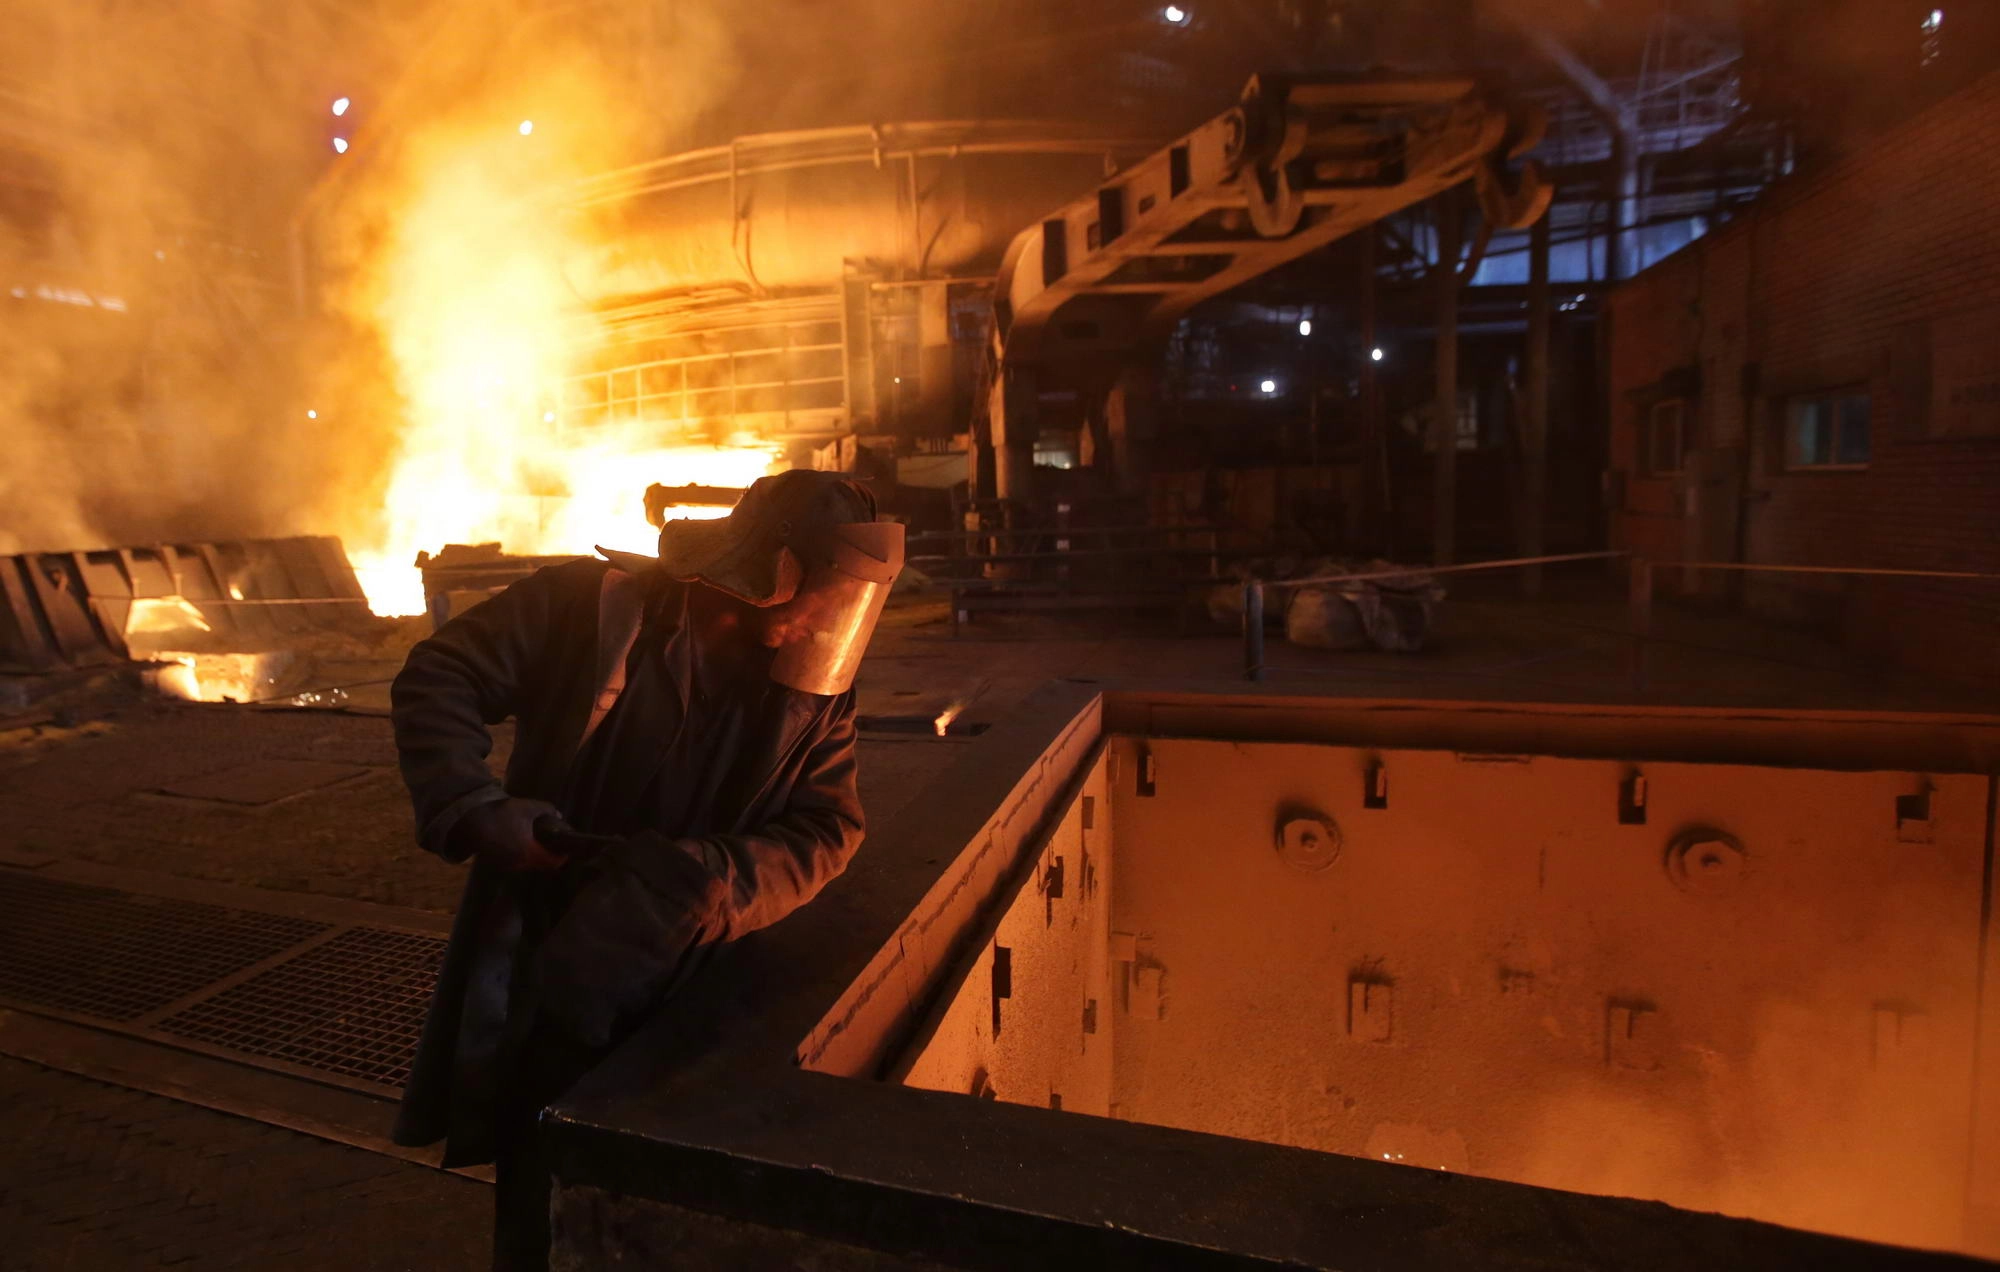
[95, 1176]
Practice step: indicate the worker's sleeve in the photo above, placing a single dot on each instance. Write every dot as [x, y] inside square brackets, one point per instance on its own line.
[457, 683]
[784, 863]
[650, 901]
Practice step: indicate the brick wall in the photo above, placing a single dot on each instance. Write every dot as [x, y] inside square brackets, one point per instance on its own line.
[1840, 277]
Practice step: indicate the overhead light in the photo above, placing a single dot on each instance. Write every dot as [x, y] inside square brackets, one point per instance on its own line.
[340, 105]
[340, 145]
[1269, 386]
[1305, 326]
[548, 417]
[312, 415]
[1175, 15]
[527, 126]
[1375, 353]
[1934, 21]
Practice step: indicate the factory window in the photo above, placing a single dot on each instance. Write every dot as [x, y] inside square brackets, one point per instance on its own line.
[1665, 437]
[1421, 421]
[1056, 448]
[1827, 430]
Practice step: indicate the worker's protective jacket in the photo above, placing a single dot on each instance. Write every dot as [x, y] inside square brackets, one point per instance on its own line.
[643, 710]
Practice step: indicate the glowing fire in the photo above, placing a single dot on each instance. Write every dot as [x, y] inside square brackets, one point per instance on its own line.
[943, 723]
[227, 677]
[584, 496]
[468, 282]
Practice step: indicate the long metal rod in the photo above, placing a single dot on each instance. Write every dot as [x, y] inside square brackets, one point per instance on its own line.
[1075, 532]
[940, 151]
[1762, 567]
[1639, 594]
[1446, 569]
[1060, 556]
[201, 601]
[1253, 594]
[949, 134]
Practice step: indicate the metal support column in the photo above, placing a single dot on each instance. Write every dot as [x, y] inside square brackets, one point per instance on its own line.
[1130, 425]
[1444, 428]
[1639, 617]
[1535, 412]
[1014, 430]
[1374, 449]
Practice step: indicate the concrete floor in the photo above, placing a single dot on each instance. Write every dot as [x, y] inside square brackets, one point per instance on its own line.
[92, 1176]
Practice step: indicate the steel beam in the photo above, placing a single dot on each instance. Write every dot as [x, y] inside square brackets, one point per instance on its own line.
[1298, 163]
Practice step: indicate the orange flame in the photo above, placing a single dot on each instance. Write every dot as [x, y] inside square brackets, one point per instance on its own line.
[469, 287]
[946, 716]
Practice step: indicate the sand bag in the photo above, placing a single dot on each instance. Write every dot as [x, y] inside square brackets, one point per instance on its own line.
[1322, 618]
[1397, 613]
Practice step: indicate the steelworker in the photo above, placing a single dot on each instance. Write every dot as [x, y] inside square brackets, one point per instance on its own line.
[690, 719]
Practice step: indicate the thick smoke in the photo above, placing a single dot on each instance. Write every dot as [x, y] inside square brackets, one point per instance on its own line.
[147, 157]
[180, 248]
[192, 282]
[190, 334]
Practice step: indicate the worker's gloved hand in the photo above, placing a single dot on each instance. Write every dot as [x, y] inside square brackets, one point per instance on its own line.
[632, 932]
[503, 832]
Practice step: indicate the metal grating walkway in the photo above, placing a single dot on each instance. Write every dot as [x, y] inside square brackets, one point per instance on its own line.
[339, 1002]
[115, 955]
[352, 1006]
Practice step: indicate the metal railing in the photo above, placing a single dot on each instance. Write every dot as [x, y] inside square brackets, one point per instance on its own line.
[1640, 575]
[1254, 588]
[1640, 594]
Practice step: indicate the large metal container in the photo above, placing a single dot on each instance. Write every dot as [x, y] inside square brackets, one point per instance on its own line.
[1191, 980]
[1753, 989]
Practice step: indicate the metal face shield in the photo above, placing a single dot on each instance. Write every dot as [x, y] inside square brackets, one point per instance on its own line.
[822, 632]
